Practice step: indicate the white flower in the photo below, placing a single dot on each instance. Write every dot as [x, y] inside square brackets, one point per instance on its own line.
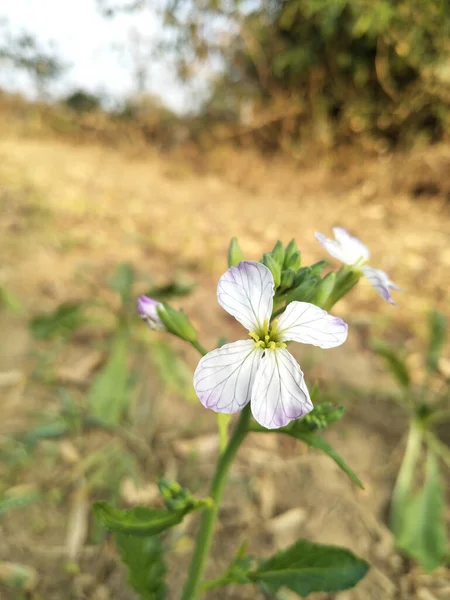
[353, 252]
[261, 370]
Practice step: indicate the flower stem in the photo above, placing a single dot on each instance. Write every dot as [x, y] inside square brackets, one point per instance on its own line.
[200, 348]
[204, 537]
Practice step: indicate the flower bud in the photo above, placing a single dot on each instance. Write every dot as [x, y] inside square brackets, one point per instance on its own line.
[269, 261]
[318, 267]
[287, 279]
[304, 291]
[148, 310]
[323, 290]
[278, 253]
[234, 253]
[290, 250]
[177, 323]
[294, 261]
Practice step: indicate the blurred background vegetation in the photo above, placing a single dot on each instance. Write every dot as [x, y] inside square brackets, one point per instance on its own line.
[303, 114]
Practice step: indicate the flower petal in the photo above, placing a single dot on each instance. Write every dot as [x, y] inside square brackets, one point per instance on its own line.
[354, 250]
[381, 282]
[331, 246]
[346, 248]
[224, 377]
[306, 323]
[279, 393]
[246, 292]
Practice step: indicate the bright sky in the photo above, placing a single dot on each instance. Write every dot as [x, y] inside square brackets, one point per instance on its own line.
[86, 40]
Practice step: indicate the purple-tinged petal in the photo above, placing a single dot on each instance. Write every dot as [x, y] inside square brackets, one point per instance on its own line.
[307, 323]
[224, 378]
[331, 246]
[381, 282]
[246, 292]
[147, 309]
[354, 250]
[279, 393]
[346, 248]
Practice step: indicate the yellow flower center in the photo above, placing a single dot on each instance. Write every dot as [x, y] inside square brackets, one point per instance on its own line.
[267, 337]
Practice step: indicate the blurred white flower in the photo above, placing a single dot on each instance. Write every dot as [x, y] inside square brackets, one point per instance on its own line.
[353, 252]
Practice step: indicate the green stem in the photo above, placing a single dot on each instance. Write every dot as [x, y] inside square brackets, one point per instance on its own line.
[200, 348]
[405, 476]
[204, 537]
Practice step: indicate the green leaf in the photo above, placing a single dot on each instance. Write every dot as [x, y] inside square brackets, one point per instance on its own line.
[316, 441]
[173, 370]
[108, 396]
[6, 504]
[305, 567]
[122, 281]
[145, 561]
[140, 520]
[395, 362]
[423, 535]
[61, 323]
[305, 430]
[437, 325]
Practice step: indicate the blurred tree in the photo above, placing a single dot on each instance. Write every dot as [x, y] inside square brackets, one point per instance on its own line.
[81, 101]
[22, 52]
[329, 69]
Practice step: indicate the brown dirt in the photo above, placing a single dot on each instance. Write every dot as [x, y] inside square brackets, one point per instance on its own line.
[70, 213]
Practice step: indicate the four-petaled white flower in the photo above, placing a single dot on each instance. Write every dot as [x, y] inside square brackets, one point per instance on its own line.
[261, 370]
[353, 252]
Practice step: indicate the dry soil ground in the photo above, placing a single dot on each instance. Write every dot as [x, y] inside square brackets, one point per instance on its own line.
[70, 213]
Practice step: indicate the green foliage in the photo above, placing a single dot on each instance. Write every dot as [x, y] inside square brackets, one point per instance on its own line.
[144, 557]
[140, 520]
[305, 430]
[61, 323]
[108, 396]
[437, 326]
[143, 521]
[173, 370]
[305, 567]
[19, 501]
[422, 534]
[173, 289]
[9, 301]
[122, 281]
[395, 362]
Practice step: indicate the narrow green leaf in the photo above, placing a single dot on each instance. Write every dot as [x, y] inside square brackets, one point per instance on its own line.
[306, 567]
[437, 325]
[122, 281]
[423, 535]
[108, 396]
[140, 520]
[145, 561]
[316, 441]
[395, 362]
[176, 288]
[61, 323]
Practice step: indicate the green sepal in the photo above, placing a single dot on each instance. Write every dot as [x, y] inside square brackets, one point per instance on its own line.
[278, 254]
[269, 261]
[177, 323]
[235, 254]
[318, 267]
[304, 291]
[323, 290]
[294, 261]
[290, 250]
[287, 278]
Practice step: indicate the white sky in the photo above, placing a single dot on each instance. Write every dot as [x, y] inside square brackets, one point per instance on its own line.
[86, 40]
